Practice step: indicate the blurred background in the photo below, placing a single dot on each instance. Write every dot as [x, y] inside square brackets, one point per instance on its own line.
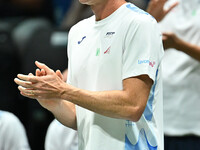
[35, 30]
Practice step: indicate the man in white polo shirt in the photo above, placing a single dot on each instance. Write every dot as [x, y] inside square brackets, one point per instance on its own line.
[113, 95]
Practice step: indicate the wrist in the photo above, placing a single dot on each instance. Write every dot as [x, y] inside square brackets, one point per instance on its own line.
[66, 92]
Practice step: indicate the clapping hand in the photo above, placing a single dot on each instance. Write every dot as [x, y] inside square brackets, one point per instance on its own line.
[45, 86]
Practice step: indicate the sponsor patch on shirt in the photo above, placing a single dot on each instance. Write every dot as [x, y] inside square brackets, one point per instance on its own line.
[150, 63]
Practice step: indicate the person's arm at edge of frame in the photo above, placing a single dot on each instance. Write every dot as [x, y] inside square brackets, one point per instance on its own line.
[170, 40]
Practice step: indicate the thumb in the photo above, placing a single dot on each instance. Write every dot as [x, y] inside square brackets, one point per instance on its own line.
[165, 36]
[58, 73]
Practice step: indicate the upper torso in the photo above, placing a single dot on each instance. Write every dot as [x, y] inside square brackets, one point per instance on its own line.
[101, 54]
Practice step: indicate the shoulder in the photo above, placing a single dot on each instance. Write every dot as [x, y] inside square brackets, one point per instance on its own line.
[135, 16]
[10, 123]
[8, 118]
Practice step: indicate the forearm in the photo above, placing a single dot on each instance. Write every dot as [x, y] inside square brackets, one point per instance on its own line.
[190, 49]
[66, 114]
[128, 103]
[116, 104]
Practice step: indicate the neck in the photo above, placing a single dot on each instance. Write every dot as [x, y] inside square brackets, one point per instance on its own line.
[105, 9]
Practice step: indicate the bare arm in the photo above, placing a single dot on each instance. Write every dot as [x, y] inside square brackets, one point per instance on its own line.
[65, 113]
[128, 103]
[170, 40]
[63, 110]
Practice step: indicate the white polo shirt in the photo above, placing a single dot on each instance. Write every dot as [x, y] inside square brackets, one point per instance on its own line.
[101, 55]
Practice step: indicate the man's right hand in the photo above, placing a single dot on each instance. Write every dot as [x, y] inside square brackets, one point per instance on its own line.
[48, 104]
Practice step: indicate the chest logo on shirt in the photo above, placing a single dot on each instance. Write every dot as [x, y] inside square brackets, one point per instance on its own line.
[98, 52]
[109, 34]
[79, 42]
[107, 51]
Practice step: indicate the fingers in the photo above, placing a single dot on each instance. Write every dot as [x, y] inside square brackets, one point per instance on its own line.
[29, 78]
[33, 93]
[164, 38]
[37, 72]
[27, 92]
[27, 95]
[25, 84]
[168, 34]
[44, 67]
[171, 7]
[43, 72]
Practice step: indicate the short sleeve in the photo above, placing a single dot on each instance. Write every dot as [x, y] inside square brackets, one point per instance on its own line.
[143, 49]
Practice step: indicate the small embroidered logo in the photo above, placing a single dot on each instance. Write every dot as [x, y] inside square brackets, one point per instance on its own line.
[151, 63]
[79, 42]
[98, 52]
[107, 51]
[109, 34]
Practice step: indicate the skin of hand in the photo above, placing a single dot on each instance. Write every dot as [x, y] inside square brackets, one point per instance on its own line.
[43, 77]
[63, 110]
[156, 9]
[170, 40]
[64, 74]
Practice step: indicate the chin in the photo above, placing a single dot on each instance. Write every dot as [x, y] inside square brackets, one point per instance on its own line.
[83, 1]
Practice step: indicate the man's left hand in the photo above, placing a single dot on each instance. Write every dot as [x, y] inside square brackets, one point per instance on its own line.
[48, 86]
